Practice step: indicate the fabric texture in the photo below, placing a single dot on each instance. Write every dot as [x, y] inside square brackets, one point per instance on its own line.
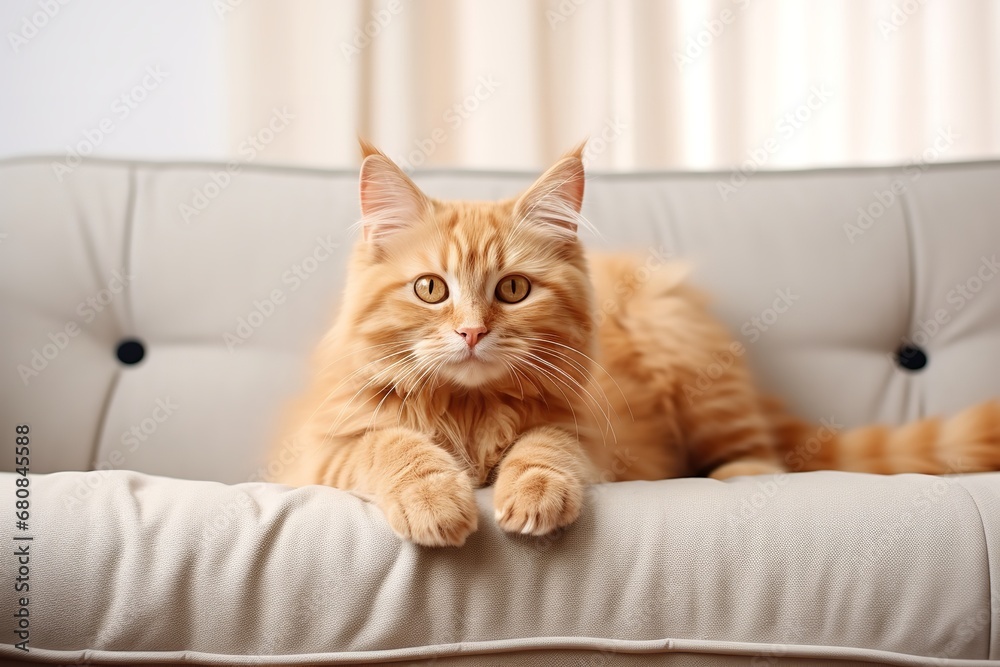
[821, 275]
[814, 565]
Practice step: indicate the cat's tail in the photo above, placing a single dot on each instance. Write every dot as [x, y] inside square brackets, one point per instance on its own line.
[966, 442]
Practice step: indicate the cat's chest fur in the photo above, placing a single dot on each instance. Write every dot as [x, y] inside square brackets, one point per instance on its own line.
[477, 429]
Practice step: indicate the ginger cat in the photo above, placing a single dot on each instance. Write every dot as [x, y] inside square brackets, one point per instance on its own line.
[467, 352]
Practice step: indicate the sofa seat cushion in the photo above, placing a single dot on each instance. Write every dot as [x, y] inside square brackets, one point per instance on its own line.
[799, 568]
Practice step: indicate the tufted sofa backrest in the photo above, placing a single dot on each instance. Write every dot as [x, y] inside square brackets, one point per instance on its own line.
[223, 280]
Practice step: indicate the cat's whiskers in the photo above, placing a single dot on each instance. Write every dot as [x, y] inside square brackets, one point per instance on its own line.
[544, 345]
[514, 376]
[363, 367]
[342, 418]
[394, 344]
[399, 413]
[538, 351]
[591, 381]
[593, 361]
[590, 375]
[445, 429]
[375, 378]
[449, 431]
[527, 377]
[332, 392]
[394, 388]
[555, 383]
[572, 385]
[427, 373]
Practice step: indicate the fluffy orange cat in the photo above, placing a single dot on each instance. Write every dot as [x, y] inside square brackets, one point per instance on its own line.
[467, 352]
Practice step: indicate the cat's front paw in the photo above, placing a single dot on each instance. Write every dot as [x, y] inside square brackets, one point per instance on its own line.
[437, 510]
[536, 500]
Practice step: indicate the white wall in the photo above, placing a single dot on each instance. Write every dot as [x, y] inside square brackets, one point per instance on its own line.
[64, 79]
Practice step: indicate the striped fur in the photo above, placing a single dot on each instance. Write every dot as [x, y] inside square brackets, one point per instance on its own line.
[962, 443]
[611, 369]
[685, 376]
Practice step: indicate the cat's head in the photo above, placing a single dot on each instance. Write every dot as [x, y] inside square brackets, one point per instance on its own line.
[476, 294]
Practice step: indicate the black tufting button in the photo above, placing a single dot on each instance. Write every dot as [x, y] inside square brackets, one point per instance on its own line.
[130, 351]
[911, 357]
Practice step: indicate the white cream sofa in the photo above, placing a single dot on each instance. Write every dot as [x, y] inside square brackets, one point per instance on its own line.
[173, 550]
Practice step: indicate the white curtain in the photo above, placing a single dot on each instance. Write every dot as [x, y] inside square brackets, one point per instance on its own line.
[692, 84]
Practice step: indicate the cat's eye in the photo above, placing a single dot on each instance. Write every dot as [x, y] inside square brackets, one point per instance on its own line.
[512, 289]
[431, 288]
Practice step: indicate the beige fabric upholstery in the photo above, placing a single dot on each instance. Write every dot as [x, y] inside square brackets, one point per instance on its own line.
[803, 569]
[824, 565]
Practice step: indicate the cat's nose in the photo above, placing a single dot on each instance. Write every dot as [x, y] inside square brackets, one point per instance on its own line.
[472, 335]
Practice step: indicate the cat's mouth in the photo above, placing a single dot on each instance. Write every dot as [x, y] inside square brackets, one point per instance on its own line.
[474, 369]
[473, 357]
[473, 360]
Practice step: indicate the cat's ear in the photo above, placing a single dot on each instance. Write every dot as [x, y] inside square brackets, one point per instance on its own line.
[390, 201]
[555, 199]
